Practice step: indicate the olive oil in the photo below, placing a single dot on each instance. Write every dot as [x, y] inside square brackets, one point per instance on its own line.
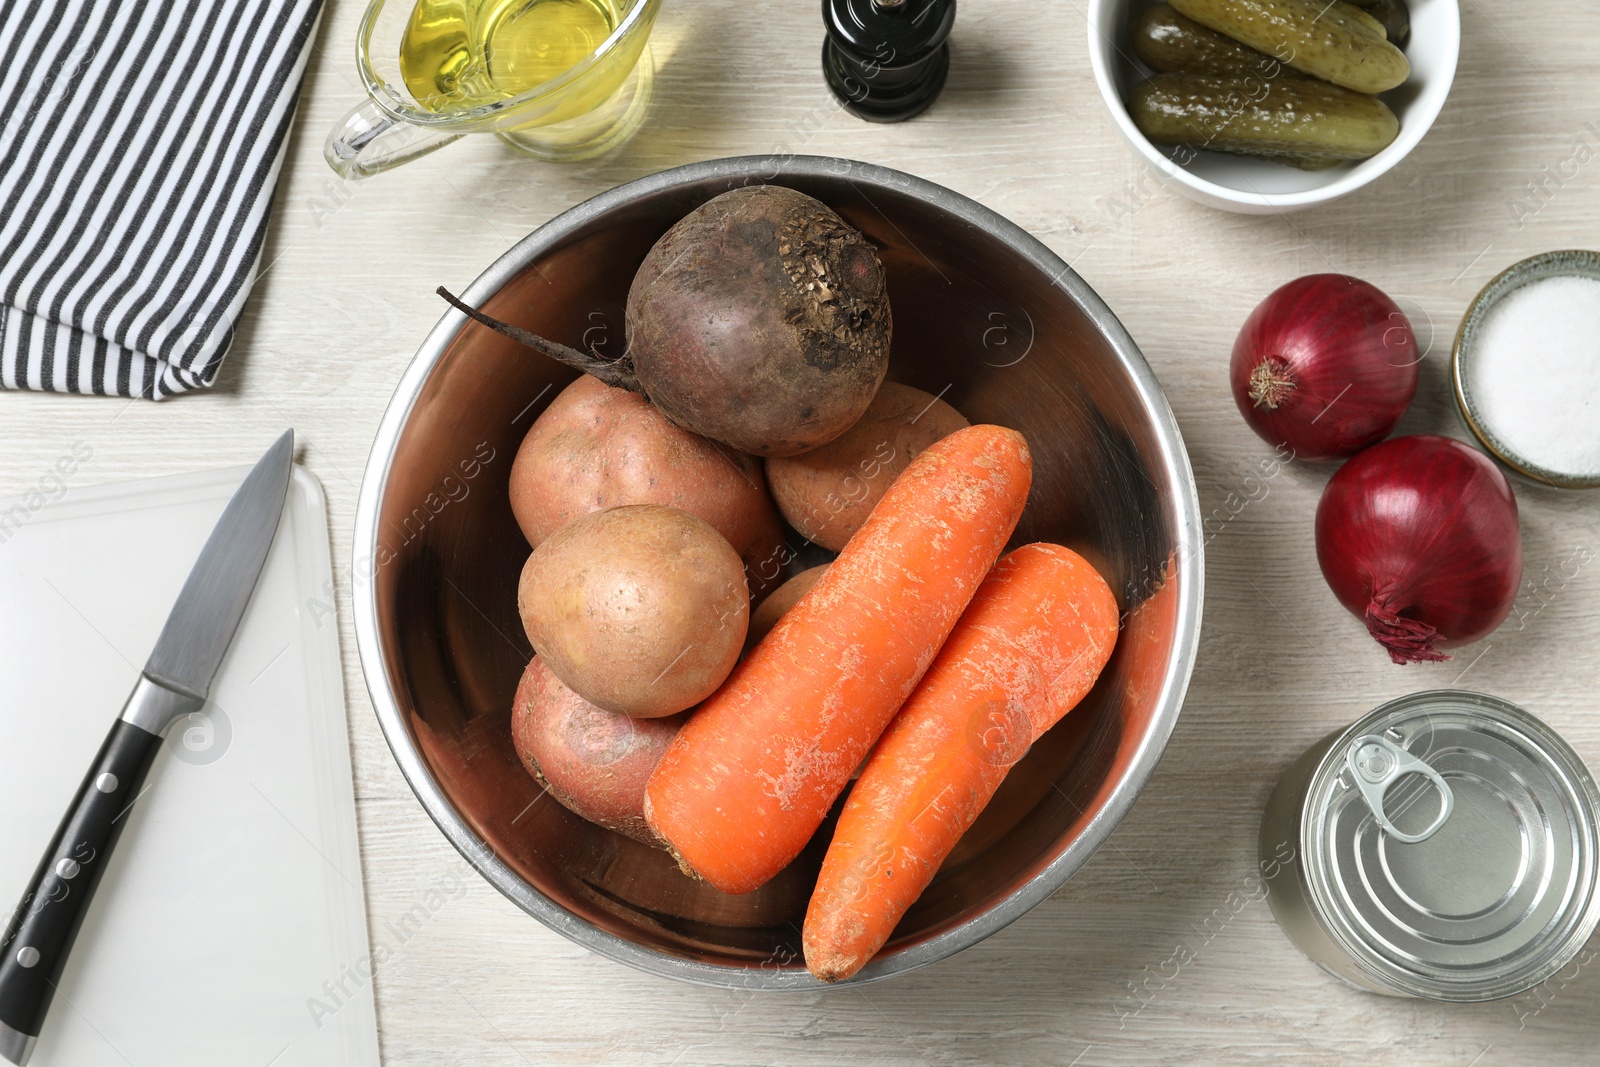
[458, 54]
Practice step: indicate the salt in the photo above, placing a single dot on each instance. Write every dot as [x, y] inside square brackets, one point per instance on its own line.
[1534, 374]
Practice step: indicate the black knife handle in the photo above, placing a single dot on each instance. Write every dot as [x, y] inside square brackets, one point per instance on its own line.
[40, 934]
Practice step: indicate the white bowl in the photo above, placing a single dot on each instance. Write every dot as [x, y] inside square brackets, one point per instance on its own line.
[1256, 187]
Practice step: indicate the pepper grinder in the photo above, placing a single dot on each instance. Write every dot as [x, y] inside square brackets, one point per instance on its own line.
[886, 60]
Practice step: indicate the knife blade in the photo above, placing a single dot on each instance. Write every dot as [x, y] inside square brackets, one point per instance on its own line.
[175, 681]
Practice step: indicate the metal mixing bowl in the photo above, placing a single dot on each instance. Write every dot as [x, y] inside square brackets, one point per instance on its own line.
[984, 315]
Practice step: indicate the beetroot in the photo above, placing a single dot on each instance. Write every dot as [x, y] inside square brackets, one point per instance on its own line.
[760, 320]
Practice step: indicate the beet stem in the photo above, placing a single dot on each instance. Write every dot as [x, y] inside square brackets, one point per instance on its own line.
[617, 372]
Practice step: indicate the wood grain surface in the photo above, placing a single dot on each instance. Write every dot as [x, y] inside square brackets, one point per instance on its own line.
[1088, 977]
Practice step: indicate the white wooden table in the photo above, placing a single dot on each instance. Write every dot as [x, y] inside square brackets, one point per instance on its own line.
[347, 294]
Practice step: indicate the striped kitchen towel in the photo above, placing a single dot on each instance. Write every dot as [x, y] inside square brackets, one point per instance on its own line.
[140, 141]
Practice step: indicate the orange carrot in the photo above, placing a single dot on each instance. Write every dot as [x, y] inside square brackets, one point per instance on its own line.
[747, 782]
[1028, 648]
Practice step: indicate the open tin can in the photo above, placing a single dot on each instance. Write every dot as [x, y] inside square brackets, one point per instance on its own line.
[1442, 846]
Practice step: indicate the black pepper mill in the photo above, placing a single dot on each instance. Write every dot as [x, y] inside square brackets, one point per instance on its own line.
[886, 60]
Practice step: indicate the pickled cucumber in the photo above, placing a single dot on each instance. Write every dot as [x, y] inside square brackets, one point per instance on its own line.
[1394, 18]
[1299, 117]
[1167, 41]
[1370, 21]
[1324, 40]
[1298, 162]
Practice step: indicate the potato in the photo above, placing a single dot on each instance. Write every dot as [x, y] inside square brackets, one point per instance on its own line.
[828, 493]
[595, 762]
[597, 447]
[640, 609]
[765, 617]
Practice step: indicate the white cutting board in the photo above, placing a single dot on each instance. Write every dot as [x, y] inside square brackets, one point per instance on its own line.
[235, 892]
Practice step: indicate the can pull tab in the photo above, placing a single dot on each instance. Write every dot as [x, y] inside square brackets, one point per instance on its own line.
[1376, 763]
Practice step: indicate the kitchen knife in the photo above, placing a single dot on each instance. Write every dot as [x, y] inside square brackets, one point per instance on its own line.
[175, 682]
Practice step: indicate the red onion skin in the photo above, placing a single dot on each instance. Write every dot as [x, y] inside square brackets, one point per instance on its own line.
[1418, 537]
[1325, 366]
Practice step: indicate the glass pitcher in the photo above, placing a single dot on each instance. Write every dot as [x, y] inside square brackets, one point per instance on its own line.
[474, 75]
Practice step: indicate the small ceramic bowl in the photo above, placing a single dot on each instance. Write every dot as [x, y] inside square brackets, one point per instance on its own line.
[1256, 187]
[1568, 263]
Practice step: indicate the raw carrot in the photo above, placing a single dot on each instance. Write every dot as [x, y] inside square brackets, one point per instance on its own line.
[1030, 645]
[747, 782]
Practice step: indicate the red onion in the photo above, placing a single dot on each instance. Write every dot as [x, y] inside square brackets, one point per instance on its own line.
[1418, 536]
[1325, 366]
